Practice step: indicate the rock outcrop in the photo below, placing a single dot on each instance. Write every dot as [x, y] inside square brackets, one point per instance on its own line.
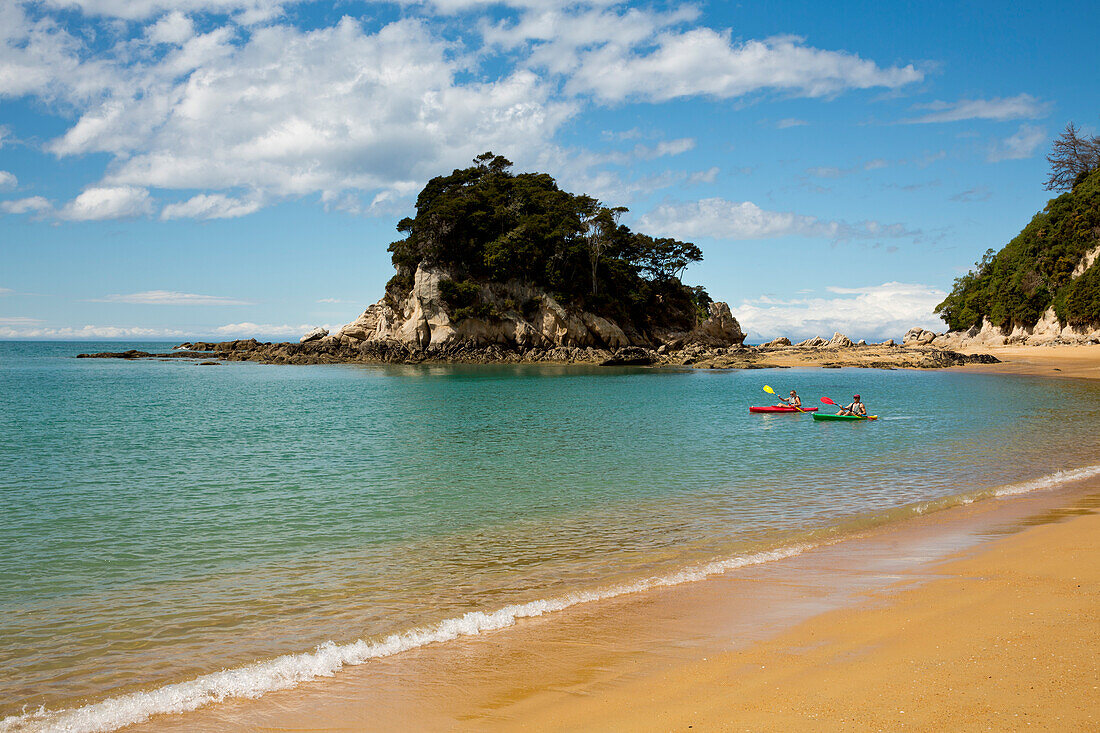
[522, 318]
[840, 341]
[313, 335]
[1048, 331]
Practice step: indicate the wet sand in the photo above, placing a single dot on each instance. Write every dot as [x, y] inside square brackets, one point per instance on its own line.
[979, 617]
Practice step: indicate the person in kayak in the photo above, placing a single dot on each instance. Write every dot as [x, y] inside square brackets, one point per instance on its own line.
[857, 408]
[793, 401]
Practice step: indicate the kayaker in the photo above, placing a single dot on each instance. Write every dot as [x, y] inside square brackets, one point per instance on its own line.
[793, 401]
[856, 408]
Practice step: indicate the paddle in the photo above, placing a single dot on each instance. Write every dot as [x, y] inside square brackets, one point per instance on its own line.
[827, 401]
[769, 390]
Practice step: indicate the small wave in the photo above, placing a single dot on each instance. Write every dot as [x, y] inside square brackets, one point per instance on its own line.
[256, 679]
[290, 670]
[1049, 481]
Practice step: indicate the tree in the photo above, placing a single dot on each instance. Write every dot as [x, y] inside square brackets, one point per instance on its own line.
[665, 258]
[1072, 157]
[599, 224]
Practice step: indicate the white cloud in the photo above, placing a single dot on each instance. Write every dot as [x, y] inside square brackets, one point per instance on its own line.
[834, 172]
[34, 204]
[790, 122]
[707, 176]
[331, 300]
[247, 329]
[108, 202]
[363, 117]
[247, 11]
[1022, 144]
[1022, 106]
[287, 112]
[874, 312]
[173, 28]
[741, 220]
[6, 291]
[8, 180]
[210, 206]
[86, 332]
[705, 62]
[170, 297]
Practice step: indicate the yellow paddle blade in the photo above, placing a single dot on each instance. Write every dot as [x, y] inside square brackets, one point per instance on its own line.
[768, 389]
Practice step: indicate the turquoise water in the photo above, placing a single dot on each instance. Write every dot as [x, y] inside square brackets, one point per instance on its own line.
[164, 520]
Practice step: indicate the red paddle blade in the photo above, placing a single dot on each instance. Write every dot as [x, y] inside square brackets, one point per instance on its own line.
[827, 401]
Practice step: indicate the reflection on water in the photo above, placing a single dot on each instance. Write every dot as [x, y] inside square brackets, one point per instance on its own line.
[163, 520]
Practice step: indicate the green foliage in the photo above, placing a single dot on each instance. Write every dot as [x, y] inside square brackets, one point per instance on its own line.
[464, 299]
[398, 288]
[485, 223]
[1034, 271]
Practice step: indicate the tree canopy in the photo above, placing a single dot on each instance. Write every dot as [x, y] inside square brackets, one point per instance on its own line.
[486, 223]
[1035, 270]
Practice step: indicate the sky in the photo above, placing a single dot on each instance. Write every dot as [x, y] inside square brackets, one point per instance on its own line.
[176, 169]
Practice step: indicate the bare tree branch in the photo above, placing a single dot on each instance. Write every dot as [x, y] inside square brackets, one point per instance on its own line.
[1071, 158]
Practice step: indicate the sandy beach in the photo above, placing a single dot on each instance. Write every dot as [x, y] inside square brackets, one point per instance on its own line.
[981, 617]
[1006, 639]
[1082, 362]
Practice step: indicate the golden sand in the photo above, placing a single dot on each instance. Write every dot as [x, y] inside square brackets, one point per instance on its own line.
[1009, 639]
[1082, 362]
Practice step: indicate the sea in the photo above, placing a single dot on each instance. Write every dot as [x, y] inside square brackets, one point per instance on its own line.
[173, 535]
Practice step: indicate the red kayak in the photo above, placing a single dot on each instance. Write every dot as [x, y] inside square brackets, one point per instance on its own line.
[781, 408]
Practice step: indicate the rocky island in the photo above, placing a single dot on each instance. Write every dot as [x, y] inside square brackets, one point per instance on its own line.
[504, 267]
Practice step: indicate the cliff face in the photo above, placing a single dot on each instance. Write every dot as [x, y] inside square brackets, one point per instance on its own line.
[521, 317]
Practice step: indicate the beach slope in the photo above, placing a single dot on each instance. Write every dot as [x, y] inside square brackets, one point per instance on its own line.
[1005, 640]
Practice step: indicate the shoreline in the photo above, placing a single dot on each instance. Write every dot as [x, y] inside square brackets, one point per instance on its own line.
[695, 356]
[603, 661]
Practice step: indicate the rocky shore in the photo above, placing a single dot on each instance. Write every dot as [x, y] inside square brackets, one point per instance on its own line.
[833, 353]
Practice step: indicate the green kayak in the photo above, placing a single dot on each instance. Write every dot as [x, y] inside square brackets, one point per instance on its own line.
[818, 416]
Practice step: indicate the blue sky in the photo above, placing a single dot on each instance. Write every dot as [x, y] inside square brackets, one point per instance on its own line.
[225, 168]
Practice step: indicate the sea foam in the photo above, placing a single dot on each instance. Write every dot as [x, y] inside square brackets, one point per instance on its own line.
[287, 671]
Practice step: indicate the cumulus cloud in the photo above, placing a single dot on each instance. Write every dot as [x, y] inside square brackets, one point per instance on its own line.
[873, 312]
[31, 205]
[8, 180]
[290, 112]
[1022, 144]
[741, 220]
[173, 28]
[362, 117]
[108, 202]
[170, 297]
[1022, 106]
[210, 206]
